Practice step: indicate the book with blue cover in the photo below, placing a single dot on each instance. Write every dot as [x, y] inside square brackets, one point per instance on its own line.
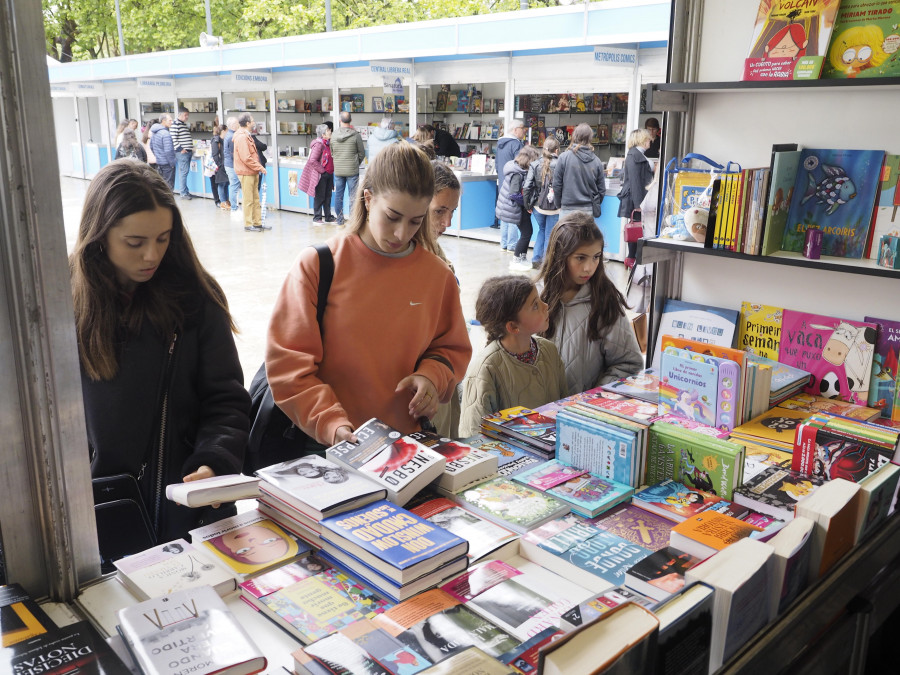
[603, 449]
[703, 323]
[785, 378]
[394, 541]
[587, 495]
[834, 191]
[687, 386]
[510, 458]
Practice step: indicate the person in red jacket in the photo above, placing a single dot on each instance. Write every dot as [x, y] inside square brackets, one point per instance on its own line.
[317, 179]
[248, 167]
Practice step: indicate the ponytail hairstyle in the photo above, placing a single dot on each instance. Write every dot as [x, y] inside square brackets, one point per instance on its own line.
[400, 167]
[581, 137]
[121, 188]
[551, 148]
[574, 230]
[499, 301]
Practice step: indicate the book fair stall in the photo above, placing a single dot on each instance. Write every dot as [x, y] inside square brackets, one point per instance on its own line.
[464, 76]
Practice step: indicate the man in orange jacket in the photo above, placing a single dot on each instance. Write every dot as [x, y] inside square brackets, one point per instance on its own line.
[248, 167]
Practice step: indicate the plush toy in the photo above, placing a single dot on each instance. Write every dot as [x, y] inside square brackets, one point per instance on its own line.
[695, 222]
[674, 228]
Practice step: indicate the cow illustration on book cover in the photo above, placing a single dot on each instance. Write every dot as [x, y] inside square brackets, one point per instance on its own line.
[837, 352]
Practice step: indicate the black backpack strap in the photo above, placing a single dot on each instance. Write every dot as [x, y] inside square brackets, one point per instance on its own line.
[259, 386]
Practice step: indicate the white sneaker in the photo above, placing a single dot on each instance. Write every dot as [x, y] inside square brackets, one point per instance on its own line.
[520, 264]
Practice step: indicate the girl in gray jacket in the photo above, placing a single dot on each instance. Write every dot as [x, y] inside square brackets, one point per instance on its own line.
[587, 321]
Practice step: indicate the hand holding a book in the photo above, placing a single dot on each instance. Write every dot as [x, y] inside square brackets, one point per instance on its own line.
[202, 472]
[425, 399]
[345, 433]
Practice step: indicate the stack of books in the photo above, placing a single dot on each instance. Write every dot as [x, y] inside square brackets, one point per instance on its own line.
[523, 427]
[393, 550]
[465, 467]
[836, 447]
[773, 429]
[399, 464]
[485, 537]
[586, 494]
[511, 459]
[299, 493]
[511, 504]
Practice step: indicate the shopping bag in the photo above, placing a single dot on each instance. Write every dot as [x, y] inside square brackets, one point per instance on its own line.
[688, 183]
[634, 229]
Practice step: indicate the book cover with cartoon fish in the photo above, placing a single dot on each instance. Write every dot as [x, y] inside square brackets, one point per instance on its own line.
[834, 191]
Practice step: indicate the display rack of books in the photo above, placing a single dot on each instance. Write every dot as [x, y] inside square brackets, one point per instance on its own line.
[151, 110]
[368, 105]
[793, 254]
[203, 111]
[470, 112]
[256, 102]
[559, 114]
[297, 113]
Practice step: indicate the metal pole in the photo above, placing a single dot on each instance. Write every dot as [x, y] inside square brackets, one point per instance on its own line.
[119, 25]
[208, 17]
[327, 16]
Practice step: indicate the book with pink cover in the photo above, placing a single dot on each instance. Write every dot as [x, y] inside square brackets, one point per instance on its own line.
[837, 352]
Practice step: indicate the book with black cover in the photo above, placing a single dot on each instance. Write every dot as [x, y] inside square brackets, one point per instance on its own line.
[20, 617]
[75, 649]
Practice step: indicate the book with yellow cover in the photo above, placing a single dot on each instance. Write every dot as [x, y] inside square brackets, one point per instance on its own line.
[759, 331]
[775, 427]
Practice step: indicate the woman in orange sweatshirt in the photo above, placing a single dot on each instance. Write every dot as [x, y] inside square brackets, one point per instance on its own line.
[393, 342]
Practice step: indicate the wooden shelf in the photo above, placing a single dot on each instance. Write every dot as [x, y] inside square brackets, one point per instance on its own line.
[864, 266]
[837, 84]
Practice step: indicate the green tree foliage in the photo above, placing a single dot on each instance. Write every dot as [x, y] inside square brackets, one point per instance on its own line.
[86, 29]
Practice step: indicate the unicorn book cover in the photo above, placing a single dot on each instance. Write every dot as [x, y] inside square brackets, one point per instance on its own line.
[834, 191]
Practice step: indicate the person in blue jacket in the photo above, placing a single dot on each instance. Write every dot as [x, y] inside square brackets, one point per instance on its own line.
[162, 146]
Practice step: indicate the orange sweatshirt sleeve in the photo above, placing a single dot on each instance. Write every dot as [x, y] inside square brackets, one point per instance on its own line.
[294, 351]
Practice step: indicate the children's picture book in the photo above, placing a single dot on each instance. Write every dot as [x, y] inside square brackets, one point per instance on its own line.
[395, 462]
[643, 385]
[885, 219]
[195, 623]
[440, 104]
[774, 428]
[586, 494]
[759, 331]
[484, 536]
[835, 192]
[606, 450]
[311, 599]
[884, 365]
[674, 500]
[864, 41]
[377, 104]
[703, 323]
[815, 403]
[790, 40]
[388, 103]
[359, 104]
[688, 386]
[170, 567]
[786, 380]
[838, 353]
[512, 505]
[248, 543]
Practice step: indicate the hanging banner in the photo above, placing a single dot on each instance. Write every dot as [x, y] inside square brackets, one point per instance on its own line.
[161, 84]
[250, 79]
[393, 85]
[611, 56]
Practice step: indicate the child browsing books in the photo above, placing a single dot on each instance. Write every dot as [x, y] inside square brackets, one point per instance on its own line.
[587, 321]
[394, 342]
[516, 367]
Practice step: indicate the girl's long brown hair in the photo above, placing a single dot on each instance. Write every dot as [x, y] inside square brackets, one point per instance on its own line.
[102, 310]
[575, 229]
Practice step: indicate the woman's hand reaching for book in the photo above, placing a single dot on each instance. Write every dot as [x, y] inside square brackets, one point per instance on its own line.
[425, 400]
